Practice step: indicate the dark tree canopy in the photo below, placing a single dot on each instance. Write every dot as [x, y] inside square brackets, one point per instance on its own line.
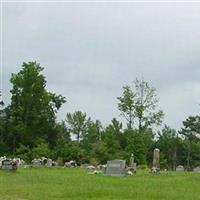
[29, 127]
[32, 111]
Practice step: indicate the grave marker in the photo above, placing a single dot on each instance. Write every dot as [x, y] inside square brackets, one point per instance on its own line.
[197, 169]
[37, 163]
[156, 161]
[9, 164]
[116, 168]
[180, 168]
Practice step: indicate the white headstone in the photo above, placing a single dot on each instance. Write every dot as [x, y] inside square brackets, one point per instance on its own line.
[49, 163]
[37, 162]
[180, 168]
[131, 160]
[156, 158]
[197, 169]
[84, 166]
[9, 164]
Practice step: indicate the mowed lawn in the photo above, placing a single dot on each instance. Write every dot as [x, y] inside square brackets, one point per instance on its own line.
[61, 183]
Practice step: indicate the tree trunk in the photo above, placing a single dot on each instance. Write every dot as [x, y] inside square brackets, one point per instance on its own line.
[188, 155]
[174, 157]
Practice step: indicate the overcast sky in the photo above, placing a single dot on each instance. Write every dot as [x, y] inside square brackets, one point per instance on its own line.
[90, 50]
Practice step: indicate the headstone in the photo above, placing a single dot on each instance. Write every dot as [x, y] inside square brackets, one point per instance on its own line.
[49, 163]
[54, 163]
[71, 163]
[84, 166]
[197, 169]
[156, 161]
[20, 162]
[2, 159]
[9, 164]
[91, 167]
[180, 168]
[132, 164]
[156, 158]
[116, 168]
[44, 160]
[132, 160]
[37, 163]
[6, 164]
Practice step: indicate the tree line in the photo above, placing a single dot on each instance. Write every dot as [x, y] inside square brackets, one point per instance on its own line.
[29, 127]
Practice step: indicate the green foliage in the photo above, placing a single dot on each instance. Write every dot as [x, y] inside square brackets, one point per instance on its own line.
[135, 145]
[60, 161]
[41, 150]
[28, 154]
[24, 152]
[70, 151]
[32, 112]
[191, 133]
[3, 136]
[164, 164]
[126, 104]
[142, 167]
[139, 105]
[29, 129]
[170, 144]
[92, 135]
[77, 123]
[93, 162]
[99, 151]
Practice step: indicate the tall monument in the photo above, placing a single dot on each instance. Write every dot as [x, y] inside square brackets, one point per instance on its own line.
[131, 160]
[156, 159]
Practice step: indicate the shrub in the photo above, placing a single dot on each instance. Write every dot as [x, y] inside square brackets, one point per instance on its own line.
[24, 153]
[93, 161]
[41, 150]
[60, 161]
[142, 167]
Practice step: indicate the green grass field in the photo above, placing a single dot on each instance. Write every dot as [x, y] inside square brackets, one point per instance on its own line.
[60, 184]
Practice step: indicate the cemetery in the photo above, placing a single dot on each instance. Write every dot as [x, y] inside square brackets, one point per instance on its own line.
[99, 100]
[117, 179]
[76, 183]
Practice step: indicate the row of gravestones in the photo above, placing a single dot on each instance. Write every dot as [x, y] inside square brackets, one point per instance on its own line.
[40, 162]
[118, 167]
[12, 164]
[180, 168]
[113, 168]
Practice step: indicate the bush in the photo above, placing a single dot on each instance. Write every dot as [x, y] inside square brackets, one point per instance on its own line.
[93, 161]
[60, 161]
[41, 150]
[24, 153]
[142, 167]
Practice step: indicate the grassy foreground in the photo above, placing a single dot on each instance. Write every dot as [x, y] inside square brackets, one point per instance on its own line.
[60, 184]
